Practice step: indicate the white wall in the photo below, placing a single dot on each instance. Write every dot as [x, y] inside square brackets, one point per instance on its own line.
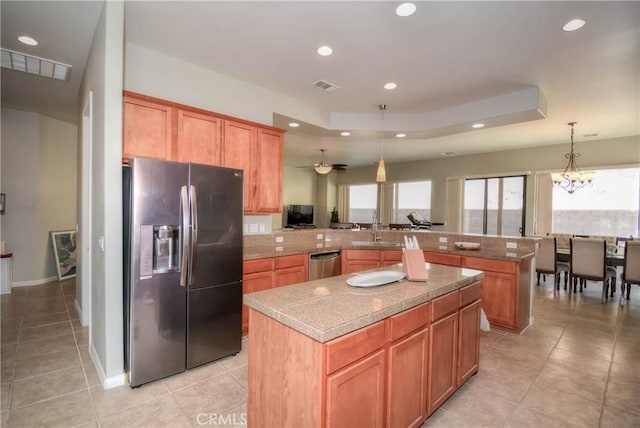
[103, 77]
[600, 153]
[39, 163]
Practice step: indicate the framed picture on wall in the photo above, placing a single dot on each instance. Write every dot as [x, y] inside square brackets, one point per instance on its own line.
[64, 252]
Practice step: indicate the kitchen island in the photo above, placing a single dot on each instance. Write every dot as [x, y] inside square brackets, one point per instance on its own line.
[323, 353]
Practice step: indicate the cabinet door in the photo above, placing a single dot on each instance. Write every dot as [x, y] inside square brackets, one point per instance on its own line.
[268, 167]
[355, 394]
[146, 129]
[407, 381]
[468, 341]
[239, 149]
[390, 257]
[498, 298]
[360, 265]
[199, 138]
[250, 284]
[290, 276]
[443, 342]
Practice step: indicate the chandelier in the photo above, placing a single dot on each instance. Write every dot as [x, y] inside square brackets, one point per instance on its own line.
[572, 178]
[381, 176]
[323, 168]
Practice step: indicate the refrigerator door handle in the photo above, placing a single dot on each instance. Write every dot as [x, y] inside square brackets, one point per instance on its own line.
[184, 234]
[193, 202]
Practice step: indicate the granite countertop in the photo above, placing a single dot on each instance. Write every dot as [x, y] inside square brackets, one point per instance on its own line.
[327, 308]
[276, 250]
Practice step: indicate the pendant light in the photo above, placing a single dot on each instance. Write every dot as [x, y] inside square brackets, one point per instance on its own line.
[572, 178]
[381, 176]
[323, 168]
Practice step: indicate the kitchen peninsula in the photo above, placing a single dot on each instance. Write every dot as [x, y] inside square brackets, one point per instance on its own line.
[281, 258]
[324, 353]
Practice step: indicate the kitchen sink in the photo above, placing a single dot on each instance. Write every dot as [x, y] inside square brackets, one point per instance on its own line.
[375, 244]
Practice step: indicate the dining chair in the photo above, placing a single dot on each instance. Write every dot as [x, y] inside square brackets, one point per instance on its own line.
[546, 261]
[589, 262]
[399, 226]
[631, 267]
[562, 239]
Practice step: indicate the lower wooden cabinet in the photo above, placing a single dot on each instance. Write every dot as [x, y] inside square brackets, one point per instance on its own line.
[291, 270]
[355, 394]
[257, 276]
[443, 345]
[468, 342]
[359, 260]
[407, 383]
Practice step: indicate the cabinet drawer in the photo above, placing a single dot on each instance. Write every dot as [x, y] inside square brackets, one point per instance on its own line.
[363, 255]
[445, 305]
[391, 255]
[285, 262]
[353, 346]
[469, 294]
[257, 265]
[410, 320]
[443, 259]
[490, 265]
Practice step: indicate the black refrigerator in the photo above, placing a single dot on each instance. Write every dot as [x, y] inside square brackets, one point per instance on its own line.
[182, 266]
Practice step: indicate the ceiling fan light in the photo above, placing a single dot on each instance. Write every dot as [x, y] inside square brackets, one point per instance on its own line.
[323, 168]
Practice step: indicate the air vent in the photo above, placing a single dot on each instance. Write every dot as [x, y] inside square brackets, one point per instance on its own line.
[325, 86]
[34, 65]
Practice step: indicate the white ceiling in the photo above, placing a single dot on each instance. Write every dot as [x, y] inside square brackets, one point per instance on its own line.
[453, 62]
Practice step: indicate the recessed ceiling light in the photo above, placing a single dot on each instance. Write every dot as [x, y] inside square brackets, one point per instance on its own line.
[345, 133]
[478, 125]
[294, 124]
[390, 85]
[405, 9]
[401, 135]
[28, 40]
[325, 51]
[574, 24]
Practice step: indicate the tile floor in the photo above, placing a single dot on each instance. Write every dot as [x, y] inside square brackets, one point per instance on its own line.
[578, 365]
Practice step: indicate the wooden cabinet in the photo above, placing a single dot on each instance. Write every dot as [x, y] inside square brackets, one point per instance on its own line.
[268, 172]
[499, 290]
[359, 260]
[199, 138]
[291, 269]
[355, 394]
[147, 128]
[407, 382]
[259, 152]
[239, 143]
[257, 275]
[390, 257]
[443, 347]
[443, 259]
[160, 129]
[468, 341]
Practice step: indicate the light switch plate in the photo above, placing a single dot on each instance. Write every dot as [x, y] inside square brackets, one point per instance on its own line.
[442, 240]
[279, 238]
[512, 255]
[279, 248]
[319, 236]
[512, 245]
[442, 247]
[319, 245]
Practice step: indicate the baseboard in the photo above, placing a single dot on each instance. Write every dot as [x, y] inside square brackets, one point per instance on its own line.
[35, 282]
[107, 383]
[79, 311]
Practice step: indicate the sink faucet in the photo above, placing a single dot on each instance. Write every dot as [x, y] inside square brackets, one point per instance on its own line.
[375, 228]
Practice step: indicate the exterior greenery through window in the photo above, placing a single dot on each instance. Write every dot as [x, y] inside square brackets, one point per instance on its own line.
[607, 208]
[402, 198]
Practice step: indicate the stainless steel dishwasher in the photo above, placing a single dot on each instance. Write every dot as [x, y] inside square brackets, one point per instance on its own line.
[324, 265]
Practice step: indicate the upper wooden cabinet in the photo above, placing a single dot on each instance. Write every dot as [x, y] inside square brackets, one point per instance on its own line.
[160, 129]
[199, 138]
[147, 128]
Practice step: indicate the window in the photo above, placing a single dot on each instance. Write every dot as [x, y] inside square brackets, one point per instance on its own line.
[362, 203]
[412, 196]
[494, 206]
[609, 207]
[397, 199]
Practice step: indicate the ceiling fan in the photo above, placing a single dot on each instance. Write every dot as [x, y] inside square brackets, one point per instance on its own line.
[324, 168]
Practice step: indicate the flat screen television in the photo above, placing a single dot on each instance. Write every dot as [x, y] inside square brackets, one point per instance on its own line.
[299, 214]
